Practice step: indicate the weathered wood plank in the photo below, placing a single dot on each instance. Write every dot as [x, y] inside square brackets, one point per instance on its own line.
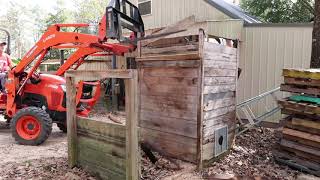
[96, 156]
[174, 57]
[302, 73]
[213, 81]
[200, 103]
[116, 131]
[306, 123]
[210, 97]
[71, 121]
[163, 104]
[180, 25]
[300, 161]
[171, 145]
[170, 72]
[223, 119]
[212, 72]
[220, 64]
[216, 56]
[218, 112]
[173, 113]
[97, 75]
[99, 171]
[162, 89]
[301, 137]
[132, 135]
[176, 81]
[180, 64]
[301, 81]
[114, 149]
[296, 146]
[190, 100]
[296, 89]
[302, 128]
[299, 107]
[219, 89]
[219, 103]
[167, 125]
[147, 51]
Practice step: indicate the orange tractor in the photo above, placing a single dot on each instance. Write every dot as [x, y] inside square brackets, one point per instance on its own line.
[34, 101]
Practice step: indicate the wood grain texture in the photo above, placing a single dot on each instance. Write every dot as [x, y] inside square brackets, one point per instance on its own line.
[297, 89]
[174, 57]
[71, 121]
[171, 145]
[213, 72]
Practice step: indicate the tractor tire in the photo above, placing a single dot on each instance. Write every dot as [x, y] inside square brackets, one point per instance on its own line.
[62, 127]
[31, 126]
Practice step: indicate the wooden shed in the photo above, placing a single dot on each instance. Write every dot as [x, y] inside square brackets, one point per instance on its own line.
[188, 94]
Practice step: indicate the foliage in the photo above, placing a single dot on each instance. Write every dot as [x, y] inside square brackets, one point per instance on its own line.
[280, 11]
[90, 11]
[16, 61]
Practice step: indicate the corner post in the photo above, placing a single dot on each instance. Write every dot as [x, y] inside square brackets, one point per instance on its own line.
[132, 112]
[71, 121]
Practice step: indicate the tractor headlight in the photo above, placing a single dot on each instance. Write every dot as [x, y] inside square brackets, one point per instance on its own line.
[63, 87]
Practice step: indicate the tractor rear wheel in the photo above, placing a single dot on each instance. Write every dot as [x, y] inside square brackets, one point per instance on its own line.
[31, 126]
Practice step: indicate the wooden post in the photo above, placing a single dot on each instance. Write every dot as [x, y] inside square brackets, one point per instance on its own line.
[61, 57]
[200, 102]
[132, 112]
[71, 121]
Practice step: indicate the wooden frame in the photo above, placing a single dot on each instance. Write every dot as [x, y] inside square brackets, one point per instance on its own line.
[132, 103]
[188, 92]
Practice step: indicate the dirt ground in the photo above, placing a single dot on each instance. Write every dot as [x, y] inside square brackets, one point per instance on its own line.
[251, 157]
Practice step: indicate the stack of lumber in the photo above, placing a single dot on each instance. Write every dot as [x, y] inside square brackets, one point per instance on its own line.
[300, 140]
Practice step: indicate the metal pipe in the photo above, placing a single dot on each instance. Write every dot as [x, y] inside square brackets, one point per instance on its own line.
[258, 97]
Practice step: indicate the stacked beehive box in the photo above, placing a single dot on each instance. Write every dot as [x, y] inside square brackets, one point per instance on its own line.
[300, 141]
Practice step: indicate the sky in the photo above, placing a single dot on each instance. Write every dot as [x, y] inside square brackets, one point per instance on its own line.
[45, 4]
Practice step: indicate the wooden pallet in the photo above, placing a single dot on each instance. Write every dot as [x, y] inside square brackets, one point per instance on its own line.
[302, 81]
[291, 107]
[301, 89]
[302, 73]
[303, 124]
[295, 162]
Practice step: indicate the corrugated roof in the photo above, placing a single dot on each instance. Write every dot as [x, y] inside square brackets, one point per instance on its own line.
[233, 11]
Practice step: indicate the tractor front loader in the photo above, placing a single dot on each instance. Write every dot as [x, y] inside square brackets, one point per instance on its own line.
[33, 101]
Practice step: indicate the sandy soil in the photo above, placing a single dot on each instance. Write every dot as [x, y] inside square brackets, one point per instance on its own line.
[251, 157]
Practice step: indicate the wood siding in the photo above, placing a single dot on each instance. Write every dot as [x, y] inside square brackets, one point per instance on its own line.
[169, 99]
[187, 91]
[101, 148]
[220, 77]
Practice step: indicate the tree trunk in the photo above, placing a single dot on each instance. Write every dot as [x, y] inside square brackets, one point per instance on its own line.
[315, 56]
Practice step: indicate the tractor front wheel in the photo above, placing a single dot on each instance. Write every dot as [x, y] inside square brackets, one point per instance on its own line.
[31, 126]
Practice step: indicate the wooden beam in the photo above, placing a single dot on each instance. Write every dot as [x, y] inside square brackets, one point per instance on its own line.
[200, 103]
[71, 122]
[132, 112]
[306, 123]
[97, 75]
[302, 135]
[174, 57]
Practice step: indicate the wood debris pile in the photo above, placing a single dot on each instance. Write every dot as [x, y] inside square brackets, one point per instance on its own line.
[300, 141]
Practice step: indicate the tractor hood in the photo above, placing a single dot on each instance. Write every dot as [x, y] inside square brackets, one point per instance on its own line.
[52, 79]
